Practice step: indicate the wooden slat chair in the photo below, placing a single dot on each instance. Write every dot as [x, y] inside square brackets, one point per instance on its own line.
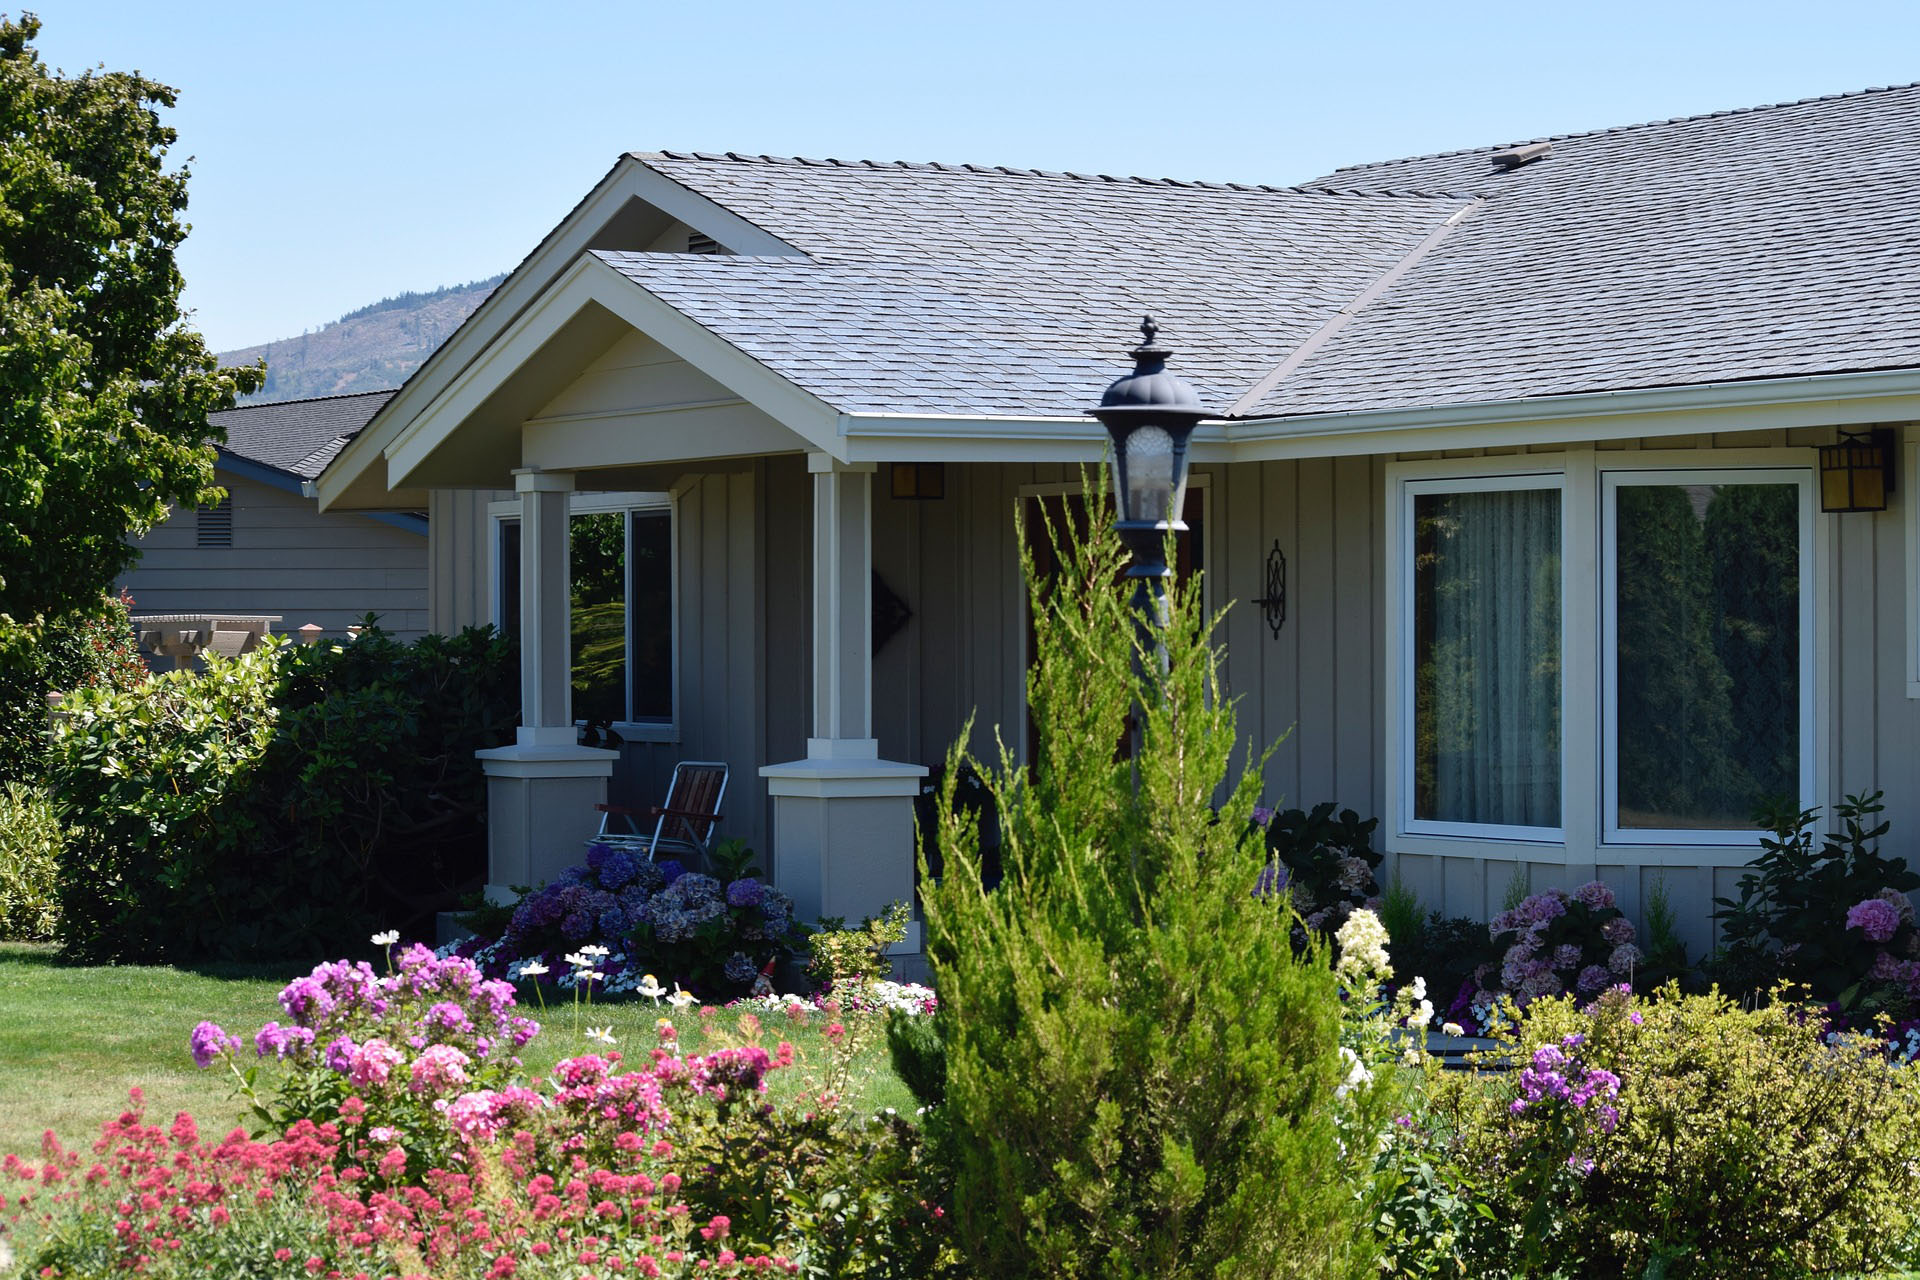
[684, 824]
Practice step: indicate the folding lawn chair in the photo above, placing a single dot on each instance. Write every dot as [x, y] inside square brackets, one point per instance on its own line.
[684, 824]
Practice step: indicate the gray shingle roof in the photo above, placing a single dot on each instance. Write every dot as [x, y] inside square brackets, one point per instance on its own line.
[942, 290]
[1762, 243]
[299, 437]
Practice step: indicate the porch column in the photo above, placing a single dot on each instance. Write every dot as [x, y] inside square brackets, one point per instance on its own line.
[542, 789]
[843, 817]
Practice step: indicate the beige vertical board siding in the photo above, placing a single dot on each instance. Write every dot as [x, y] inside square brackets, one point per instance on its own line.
[1898, 748]
[1240, 541]
[1350, 743]
[1855, 673]
[787, 635]
[942, 624]
[896, 668]
[460, 582]
[288, 559]
[1319, 632]
[1279, 691]
[721, 693]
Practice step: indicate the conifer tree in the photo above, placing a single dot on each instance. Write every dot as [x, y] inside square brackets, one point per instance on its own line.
[1142, 1055]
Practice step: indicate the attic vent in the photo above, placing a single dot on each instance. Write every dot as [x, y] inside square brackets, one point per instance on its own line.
[1514, 157]
[214, 525]
[698, 242]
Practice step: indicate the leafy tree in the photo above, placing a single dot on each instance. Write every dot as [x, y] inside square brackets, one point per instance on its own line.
[104, 387]
[1139, 1063]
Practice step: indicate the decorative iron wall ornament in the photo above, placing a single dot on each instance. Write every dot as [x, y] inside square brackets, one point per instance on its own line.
[1274, 603]
[890, 614]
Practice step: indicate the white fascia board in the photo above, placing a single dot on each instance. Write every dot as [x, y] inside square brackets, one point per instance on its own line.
[880, 437]
[629, 179]
[1761, 404]
[591, 281]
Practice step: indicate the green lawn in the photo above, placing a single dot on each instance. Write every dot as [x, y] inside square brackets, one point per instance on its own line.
[74, 1040]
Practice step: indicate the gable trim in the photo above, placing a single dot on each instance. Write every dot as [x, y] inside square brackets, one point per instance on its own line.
[590, 281]
[630, 179]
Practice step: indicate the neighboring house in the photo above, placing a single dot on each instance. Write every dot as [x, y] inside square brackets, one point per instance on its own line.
[1535, 429]
[267, 549]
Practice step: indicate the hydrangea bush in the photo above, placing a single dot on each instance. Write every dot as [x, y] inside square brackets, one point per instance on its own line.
[1326, 862]
[1557, 942]
[711, 933]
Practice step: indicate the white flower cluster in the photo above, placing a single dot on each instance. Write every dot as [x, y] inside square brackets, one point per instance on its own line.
[1363, 950]
[910, 998]
[1357, 1073]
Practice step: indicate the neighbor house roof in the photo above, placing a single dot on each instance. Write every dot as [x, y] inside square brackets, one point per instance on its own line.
[1765, 243]
[297, 437]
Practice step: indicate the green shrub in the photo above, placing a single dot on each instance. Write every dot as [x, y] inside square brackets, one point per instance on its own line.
[280, 804]
[30, 840]
[839, 956]
[1791, 919]
[91, 650]
[1141, 1073]
[1330, 860]
[1740, 1143]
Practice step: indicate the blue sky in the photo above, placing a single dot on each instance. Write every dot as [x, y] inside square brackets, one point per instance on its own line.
[347, 151]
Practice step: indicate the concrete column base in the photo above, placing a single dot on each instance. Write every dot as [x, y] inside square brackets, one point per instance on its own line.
[540, 811]
[843, 839]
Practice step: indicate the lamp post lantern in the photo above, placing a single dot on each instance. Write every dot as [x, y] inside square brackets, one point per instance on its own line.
[1150, 414]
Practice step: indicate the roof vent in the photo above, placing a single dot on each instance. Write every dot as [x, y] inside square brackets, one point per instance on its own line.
[700, 242]
[1527, 153]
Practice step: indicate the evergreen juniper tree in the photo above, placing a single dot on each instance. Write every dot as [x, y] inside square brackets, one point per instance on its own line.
[1141, 1052]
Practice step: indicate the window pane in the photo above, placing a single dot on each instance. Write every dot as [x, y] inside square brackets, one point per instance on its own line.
[510, 577]
[651, 560]
[1486, 618]
[1708, 672]
[599, 616]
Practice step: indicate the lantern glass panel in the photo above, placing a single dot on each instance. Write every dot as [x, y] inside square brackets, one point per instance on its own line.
[1149, 474]
[1836, 488]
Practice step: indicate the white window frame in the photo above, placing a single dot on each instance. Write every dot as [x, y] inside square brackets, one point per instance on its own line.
[1402, 640]
[579, 504]
[1612, 479]
[1585, 756]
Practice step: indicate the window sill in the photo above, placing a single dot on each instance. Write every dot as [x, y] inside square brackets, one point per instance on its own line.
[648, 731]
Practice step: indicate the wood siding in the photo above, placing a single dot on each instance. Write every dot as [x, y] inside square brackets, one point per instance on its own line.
[287, 559]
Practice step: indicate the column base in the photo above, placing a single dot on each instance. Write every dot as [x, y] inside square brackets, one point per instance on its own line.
[843, 838]
[540, 811]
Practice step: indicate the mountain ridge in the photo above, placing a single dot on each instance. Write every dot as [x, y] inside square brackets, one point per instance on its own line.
[373, 348]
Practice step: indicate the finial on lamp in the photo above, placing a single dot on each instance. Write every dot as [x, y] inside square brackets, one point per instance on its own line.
[1148, 331]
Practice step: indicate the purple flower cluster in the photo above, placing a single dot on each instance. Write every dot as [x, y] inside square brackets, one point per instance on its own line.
[1557, 1075]
[1560, 941]
[1877, 918]
[208, 1042]
[604, 900]
[425, 1004]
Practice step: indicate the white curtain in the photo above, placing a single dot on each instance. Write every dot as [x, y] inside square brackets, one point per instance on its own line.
[1487, 657]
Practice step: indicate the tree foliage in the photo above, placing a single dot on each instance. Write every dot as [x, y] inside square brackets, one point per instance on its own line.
[104, 387]
[1140, 1063]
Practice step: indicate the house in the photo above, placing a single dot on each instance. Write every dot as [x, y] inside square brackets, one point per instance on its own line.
[266, 549]
[1533, 428]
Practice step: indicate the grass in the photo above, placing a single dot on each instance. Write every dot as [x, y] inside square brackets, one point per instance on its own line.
[74, 1040]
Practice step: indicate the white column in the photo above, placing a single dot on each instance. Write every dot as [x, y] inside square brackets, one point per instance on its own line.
[546, 684]
[542, 789]
[842, 611]
[843, 817]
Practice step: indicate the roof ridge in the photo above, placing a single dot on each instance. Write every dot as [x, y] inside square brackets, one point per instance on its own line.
[1628, 128]
[338, 395]
[935, 166]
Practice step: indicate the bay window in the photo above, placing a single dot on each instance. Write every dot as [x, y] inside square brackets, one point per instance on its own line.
[1595, 652]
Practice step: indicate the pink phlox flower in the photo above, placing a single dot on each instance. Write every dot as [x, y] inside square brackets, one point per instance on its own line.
[439, 1068]
[373, 1062]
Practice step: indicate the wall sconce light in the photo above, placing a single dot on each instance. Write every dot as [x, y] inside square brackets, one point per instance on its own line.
[1274, 604]
[1856, 473]
[919, 481]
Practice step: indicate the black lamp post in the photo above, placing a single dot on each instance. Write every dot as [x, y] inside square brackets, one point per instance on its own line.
[1151, 414]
